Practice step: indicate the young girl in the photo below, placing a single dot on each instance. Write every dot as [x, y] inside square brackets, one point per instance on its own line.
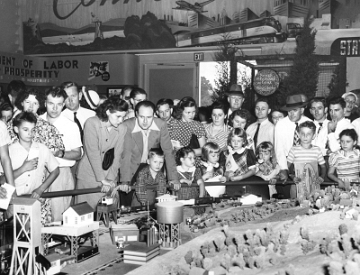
[210, 167]
[346, 161]
[267, 166]
[188, 173]
[242, 119]
[240, 161]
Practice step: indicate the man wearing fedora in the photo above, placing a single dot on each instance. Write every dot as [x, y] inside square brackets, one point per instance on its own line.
[286, 130]
[235, 97]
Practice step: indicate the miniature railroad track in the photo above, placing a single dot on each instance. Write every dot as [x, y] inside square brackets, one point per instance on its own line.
[102, 267]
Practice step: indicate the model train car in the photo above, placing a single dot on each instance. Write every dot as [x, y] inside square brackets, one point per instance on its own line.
[264, 30]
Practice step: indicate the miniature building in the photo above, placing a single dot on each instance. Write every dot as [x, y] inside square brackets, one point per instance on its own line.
[78, 215]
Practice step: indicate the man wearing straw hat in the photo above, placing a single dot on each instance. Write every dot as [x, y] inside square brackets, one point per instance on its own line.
[287, 132]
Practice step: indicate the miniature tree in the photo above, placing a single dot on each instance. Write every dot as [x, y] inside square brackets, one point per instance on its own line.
[303, 76]
[338, 83]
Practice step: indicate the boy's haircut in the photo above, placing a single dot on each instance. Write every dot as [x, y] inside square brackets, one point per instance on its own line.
[5, 107]
[137, 91]
[164, 101]
[182, 153]
[15, 87]
[24, 117]
[263, 99]
[69, 84]
[318, 99]
[145, 103]
[238, 132]
[338, 100]
[308, 124]
[350, 133]
[267, 146]
[208, 148]
[56, 91]
[155, 152]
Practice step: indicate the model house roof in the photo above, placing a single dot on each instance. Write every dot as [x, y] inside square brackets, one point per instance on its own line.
[82, 208]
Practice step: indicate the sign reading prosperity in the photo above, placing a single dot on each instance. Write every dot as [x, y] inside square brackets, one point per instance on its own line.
[348, 46]
[266, 82]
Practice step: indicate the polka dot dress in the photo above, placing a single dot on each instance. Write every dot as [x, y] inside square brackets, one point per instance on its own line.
[182, 131]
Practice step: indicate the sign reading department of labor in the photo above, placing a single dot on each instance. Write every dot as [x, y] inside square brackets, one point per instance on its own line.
[266, 82]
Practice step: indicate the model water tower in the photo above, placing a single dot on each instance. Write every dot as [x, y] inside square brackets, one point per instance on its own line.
[169, 217]
[27, 237]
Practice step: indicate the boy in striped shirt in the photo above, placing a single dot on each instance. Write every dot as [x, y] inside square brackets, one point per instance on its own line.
[306, 152]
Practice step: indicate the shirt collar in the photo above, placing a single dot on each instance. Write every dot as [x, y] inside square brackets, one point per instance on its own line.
[208, 164]
[232, 151]
[137, 127]
[263, 122]
[181, 169]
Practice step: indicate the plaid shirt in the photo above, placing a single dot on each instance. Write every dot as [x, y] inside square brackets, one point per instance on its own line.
[146, 183]
[245, 160]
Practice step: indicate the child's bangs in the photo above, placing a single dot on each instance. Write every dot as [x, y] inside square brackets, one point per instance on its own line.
[212, 151]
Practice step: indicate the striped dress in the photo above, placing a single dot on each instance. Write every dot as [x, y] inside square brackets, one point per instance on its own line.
[347, 167]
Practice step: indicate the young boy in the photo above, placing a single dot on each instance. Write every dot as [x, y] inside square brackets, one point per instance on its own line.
[151, 181]
[306, 153]
[30, 159]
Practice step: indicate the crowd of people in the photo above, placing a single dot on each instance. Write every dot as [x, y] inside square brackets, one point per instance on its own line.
[71, 138]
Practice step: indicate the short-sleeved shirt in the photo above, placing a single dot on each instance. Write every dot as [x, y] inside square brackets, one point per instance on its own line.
[70, 136]
[298, 154]
[182, 131]
[27, 182]
[4, 135]
[347, 167]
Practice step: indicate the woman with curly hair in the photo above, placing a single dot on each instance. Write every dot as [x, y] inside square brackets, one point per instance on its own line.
[33, 101]
[103, 145]
[184, 130]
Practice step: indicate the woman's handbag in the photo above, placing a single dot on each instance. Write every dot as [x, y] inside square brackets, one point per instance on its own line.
[194, 142]
[108, 159]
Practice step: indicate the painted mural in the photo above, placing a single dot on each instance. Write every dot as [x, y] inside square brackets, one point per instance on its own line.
[105, 25]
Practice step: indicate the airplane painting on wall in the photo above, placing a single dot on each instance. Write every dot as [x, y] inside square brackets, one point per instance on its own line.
[128, 24]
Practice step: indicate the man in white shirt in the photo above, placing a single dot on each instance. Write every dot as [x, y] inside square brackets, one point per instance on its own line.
[338, 123]
[54, 103]
[318, 110]
[235, 97]
[72, 104]
[261, 130]
[285, 130]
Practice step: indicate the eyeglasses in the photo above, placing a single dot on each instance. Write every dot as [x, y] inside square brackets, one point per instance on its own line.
[127, 97]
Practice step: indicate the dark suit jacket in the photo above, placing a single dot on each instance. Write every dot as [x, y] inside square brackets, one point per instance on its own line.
[133, 148]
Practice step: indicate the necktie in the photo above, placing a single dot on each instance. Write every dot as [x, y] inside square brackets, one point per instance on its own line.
[79, 126]
[145, 152]
[296, 135]
[320, 127]
[256, 135]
